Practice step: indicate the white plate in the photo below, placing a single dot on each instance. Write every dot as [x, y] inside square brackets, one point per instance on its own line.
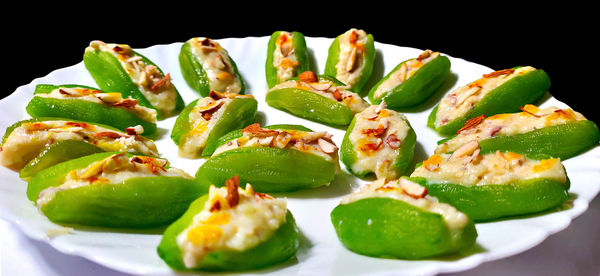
[321, 253]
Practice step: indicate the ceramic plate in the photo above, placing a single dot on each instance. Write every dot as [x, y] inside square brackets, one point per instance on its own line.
[321, 253]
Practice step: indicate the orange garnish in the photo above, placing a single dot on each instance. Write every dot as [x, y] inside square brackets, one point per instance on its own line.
[308, 76]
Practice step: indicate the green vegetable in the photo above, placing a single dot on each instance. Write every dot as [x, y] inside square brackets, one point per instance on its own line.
[268, 169]
[57, 153]
[365, 58]
[239, 113]
[310, 105]
[137, 202]
[402, 163]
[298, 49]
[506, 98]
[193, 70]
[214, 144]
[84, 110]
[280, 246]
[110, 75]
[415, 89]
[494, 201]
[390, 228]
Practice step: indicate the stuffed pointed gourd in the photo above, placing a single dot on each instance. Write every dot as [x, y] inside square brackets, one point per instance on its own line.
[281, 160]
[560, 133]
[205, 120]
[112, 189]
[116, 67]
[25, 140]
[412, 82]
[206, 66]
[397, 219]
[323, 99]
[350, 58]
[379, 141]
[231, 229]
[287, 56]
[494, 185]
[497, 92]
[90, 105]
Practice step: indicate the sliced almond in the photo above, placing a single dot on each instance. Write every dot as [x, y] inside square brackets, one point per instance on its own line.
[380, 107]
[68, 91]
[233, 196]
[325, 146]
[471, 123]
[499, 73]
[412, 189]
[126, 103]
[393, 142]
[136, 130]
[465, 150]
[321, 86]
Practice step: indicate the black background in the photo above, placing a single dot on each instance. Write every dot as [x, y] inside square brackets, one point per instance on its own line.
[560, 40]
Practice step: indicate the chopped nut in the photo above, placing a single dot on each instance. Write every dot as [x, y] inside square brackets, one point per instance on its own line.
[337, 95]
[499, 73]
[412, 189]
[233, 196]
[466, 149]
[308, 77]
[165, 81]
[473, 122]
[136, 130]
[256, 130]
[321, 86]
[393, 142]
[126, 103]
[325, 146]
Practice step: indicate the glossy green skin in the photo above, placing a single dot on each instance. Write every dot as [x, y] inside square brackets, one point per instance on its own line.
[560, 141]
[506, 98]
[84, 110]
[309, 105]
[280, 246]
[300, 50]
[110, 76]
[239, 113]
[417, 88]
[270, 170]
[57, 153]
[402, 163]
[389, 228]
[214, 144]
[138, 202]
[194, 74]
[48, 154]
[369, 57]
[490, 202]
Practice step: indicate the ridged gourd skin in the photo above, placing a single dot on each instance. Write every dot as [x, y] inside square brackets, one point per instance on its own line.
[279, 247]
[390, 228]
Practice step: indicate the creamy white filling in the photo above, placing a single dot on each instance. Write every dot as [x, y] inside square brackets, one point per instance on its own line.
[351, 59]
[397, 190]
[29, 139]
[461, 100]
[110, 99]
[287, 139]
[217, 64]
[284, 57]
[195, 140]
[490, 169]
[123, 170]
[327, 89]
[406, 70]
[144, 76]
[511, 124]
[377, 152]
[240, 227]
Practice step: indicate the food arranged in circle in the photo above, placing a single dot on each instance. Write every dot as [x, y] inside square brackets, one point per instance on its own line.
[89, 159]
